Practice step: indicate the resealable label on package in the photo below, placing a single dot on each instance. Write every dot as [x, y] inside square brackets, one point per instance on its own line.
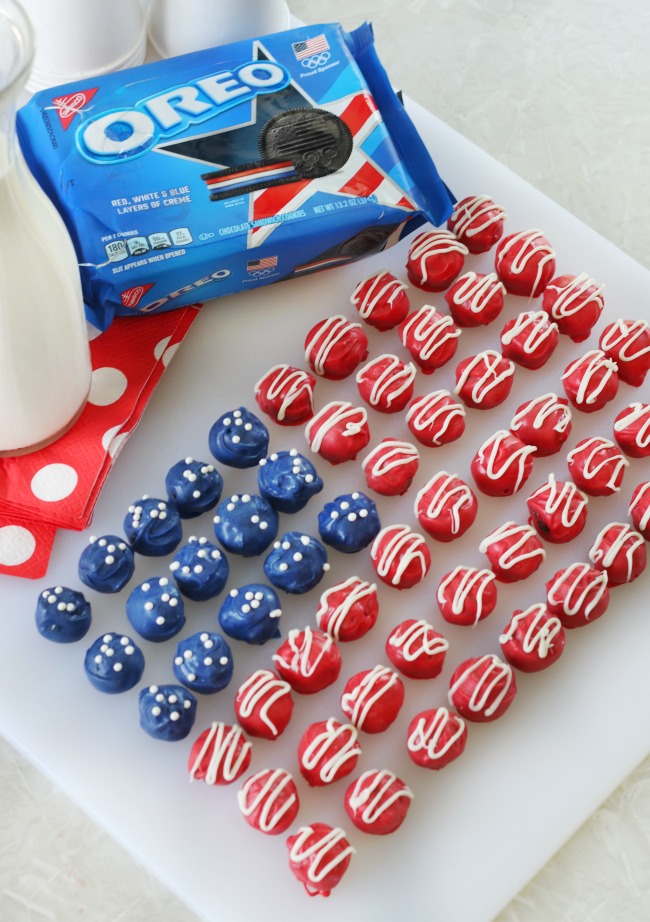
[223, 170]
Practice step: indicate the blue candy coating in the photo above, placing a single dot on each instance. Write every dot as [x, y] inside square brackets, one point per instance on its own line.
[155, 609]
[200, 569]
[193, 487]
[62, 614]
[153, 527]
[251, 613]
[288, 480]
[349, 523]
[167, 712]
[239, 439]
[245, 524]
[114, 663]
[296, 563]
[203, 662]
[106, 564]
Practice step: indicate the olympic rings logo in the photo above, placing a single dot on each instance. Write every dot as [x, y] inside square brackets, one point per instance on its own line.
[316, 60]
[261, 273]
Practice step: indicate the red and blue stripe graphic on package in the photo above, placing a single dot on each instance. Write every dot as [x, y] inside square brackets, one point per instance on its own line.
[230, 168]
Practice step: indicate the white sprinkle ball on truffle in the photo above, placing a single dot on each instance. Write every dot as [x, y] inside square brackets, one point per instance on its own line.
[309, 478]
[236, 440]
[107, 638]
[196, 494]
[255, 604]
[117, 667]
[162, 504]
[189, 460]
[165, 597]
[129, 650]
[191, 677]
[249, 595]
[276, 545]
[174, 715]
[264, 526]
[208, 661]
[148, 606]
[223, 661]
[154, 514]
[255, 519]
[178, 660]
[156, 711]
[355, 496]
[145, 587]
[345, 505]
[163, 515]
[215, 555]
[245, 498]
[109, 559]
[259, 596]
[305, 539]
[363, 513]
[293, 452]
[187, 654]
[153, 690]
[283, 567]
[275, 613]
[111, 548]
[98, 660]
[121, 546]
[352, 517]
[198, 568]
[334, 514]
[237, 414]
[233, 593]
[102, 542]
[227, 421]
[248, 427]
[173, 699]
[239, 422]
[297, 557]
[70, 606]
[173, 603]
[163, 581]
[160, 620]
[286, 546]
[92, 539]
[230, 507]
[326, 567]
[245, 609]
[185, 570]
[187, 704]
[216, 519]
[60, 606]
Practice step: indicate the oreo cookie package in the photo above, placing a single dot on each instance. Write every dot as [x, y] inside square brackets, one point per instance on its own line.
[223, 170]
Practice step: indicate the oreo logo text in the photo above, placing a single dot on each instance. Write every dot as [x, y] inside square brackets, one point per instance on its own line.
[123, 134]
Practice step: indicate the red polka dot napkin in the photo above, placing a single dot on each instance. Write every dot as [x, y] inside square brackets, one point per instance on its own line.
[58, 486]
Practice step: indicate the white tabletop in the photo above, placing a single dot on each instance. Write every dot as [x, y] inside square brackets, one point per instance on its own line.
[559, 93]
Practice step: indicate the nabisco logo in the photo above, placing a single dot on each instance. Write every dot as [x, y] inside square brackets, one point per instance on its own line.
[132, 296]
[69, 106]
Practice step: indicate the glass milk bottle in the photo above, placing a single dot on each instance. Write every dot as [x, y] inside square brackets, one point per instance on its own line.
[44, 357]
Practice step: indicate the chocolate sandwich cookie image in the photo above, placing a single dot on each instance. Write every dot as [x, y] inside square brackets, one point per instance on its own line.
[294, 145]
[366, 242]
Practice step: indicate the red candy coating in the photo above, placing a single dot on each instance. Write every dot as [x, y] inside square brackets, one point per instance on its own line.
[639, 509]
[263, 704]
[445, 507]
[558, 510]
[269, 801]
[597, 466]
[338, 432]
[591, 381]
[381, 301]
[436, 419]
[372, 699]
[391, 467]
[220, 755]
[577, 594]
[529, 339]
[430, 337]
[525, 263]
[400, 556]
[319, 856]
[485, 380]
[620, 552]
[543, 422]
[475, 299]
[435, 258]
[308, 660]
[632, 430]
[514, 551]
[348, 610]
[575, 303]
[386, 383]
[533, 640]
[477, 222]
[286, 394]
[627, 342]
[377, 802]
[482, 688]
[466, 595]
[502, 464]
[328, 751]
[435, 738]
[416, 649]
[335, 347]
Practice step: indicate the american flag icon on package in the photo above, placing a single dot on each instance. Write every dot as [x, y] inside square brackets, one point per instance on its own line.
[267, 262]
[310, 46]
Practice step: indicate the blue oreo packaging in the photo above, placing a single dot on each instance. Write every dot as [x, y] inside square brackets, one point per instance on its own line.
[223, 170]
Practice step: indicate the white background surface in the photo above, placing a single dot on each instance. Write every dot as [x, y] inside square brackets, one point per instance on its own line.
[560, 95]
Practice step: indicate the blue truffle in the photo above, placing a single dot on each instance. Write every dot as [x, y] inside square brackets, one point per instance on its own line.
[155, 609]
[106, 564]
[251, 613]
[246, 524]
[239, 439]
[296, 563]
[153, 527]
[288, 480]
[114, 663]
[203, 662]
[62, 614]
[167, 712]
[200, 569]
[193, 487]
[349, 523]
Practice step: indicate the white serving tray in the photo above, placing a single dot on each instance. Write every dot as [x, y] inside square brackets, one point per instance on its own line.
[481, 828]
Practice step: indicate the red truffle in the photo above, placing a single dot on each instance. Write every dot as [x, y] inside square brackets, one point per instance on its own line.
[319, 856]
[620, 551]
[475, 299]
[597, 466]
[328, 751]
[544, 423]
[381, 301]
[400, 556]
[338, 432]
[627, 342]
[466, 595]
[639, 509]
[377, 802]
[263, 704]
[485, 380]
[575, 303]
[591, 381]
[286, 394]
[533, 640]
[577, 594]
[386, 383]
[482, 688]
[436, 419]
[430, 337]
[435, 258]
[391, 466]
[335, 347]
[445, 507]
[372, 699]
[632, 430]
[477, 222]
[416, 649]
[220, 755]
[308, 660]
[558, 510]
[525, 263]
[348, 610]
[502, 464]
[269, 801]
[514, 552]
[529, 339]
[435, 738]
